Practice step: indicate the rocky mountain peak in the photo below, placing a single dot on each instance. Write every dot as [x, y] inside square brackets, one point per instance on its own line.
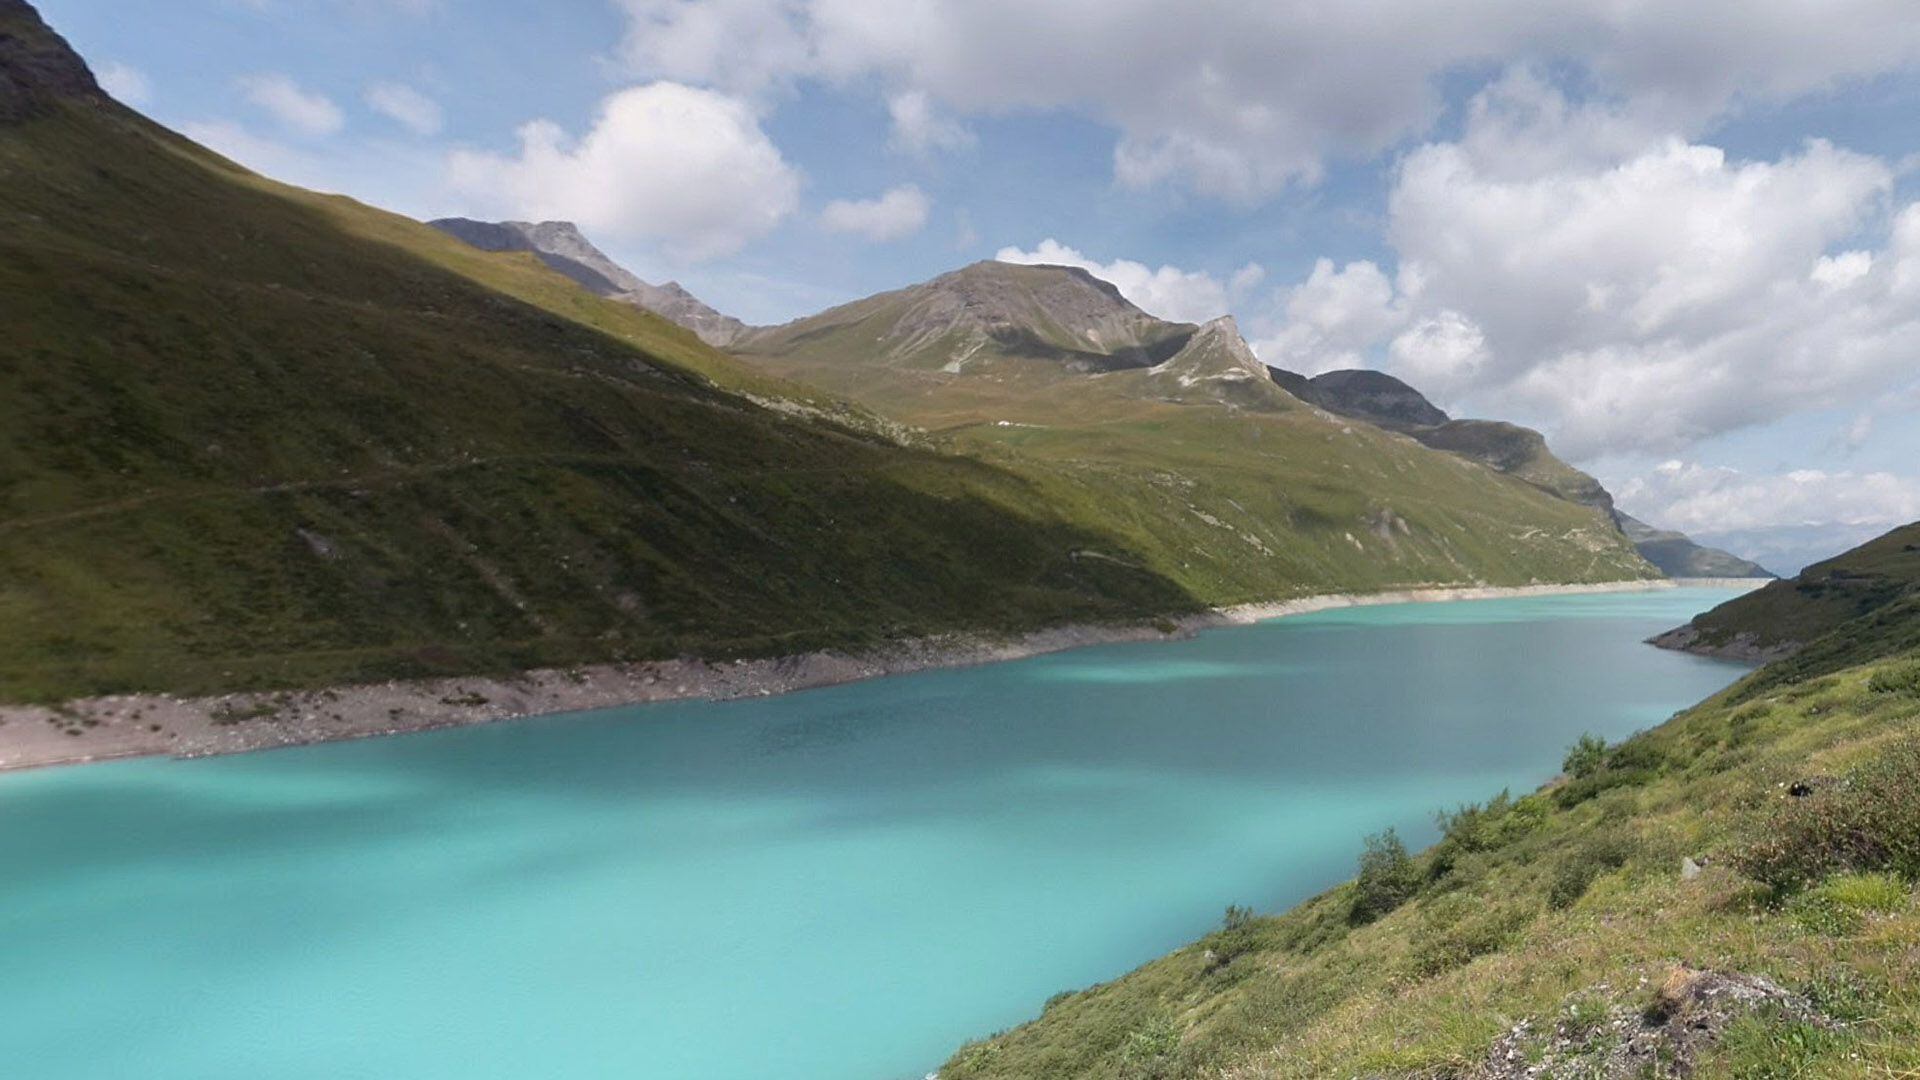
[562, 246]
[37, 66]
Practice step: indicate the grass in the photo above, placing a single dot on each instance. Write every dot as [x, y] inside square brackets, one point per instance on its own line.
[1859, 606]
[1542, 909]
[257, 438]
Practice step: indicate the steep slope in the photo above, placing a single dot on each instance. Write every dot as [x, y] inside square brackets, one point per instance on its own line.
[1849, 608]
[1728, 895]
[1232, 484]
[254, 437]
[1678, 556]
[1381, 399]
[560, 245]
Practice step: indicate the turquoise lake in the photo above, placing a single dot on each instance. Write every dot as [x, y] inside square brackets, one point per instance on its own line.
[844, 883]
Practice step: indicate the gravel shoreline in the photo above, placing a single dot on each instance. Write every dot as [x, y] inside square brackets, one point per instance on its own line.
[141, 725]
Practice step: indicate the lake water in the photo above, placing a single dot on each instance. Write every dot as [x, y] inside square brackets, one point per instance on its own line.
[843, 883]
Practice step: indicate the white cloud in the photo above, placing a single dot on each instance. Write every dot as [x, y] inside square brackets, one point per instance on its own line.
[1709, 499]
[295, 109]
[920, 128]
[897, 214]
[128, 85]
[1239, 98]
[407, 107]
[1633, 291]
[1169, 292]
[1332, 318]
[687, 168]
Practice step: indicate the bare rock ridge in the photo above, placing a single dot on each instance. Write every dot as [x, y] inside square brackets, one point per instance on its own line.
[37, 66]
[1381, 399]
[561, 246]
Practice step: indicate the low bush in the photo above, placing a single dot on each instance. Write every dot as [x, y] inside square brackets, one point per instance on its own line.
[1869, 822]
[1577, 873]
[1386, 880]
[1902, 679]
[1585, 757]
[1456, 932]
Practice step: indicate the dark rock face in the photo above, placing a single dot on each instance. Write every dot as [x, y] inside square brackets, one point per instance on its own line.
[1377, 396]
[37, 66]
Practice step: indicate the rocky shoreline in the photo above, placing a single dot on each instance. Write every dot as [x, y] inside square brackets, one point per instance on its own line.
[140, 725]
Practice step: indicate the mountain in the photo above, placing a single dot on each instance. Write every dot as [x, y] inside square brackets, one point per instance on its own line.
[254, 437]
[1858, 606]
[561, 246]
[1678, 556]
[1180, 429]
[977, 316]
[1379, 398]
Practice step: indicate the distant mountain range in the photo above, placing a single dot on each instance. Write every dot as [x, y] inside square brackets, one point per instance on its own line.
[993, 318]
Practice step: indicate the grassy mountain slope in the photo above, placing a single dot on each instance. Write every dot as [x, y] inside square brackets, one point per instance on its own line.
[1678, 555]
[252, 436]
[1218, 477]
[1854, 607]
[1562, 935]
[1381, 399]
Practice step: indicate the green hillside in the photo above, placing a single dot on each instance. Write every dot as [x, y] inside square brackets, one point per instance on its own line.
[1216, 475]
[255, 437]
[251, 436]
[1731, 894]
[1855, 607]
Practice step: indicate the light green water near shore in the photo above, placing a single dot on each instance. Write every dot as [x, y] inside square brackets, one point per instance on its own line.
[840, 883]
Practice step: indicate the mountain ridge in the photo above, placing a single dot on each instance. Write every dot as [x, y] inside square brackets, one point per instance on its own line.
[1382, 399]
[562, 246]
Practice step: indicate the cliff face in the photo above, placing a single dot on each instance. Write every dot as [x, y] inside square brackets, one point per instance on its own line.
[37, 66]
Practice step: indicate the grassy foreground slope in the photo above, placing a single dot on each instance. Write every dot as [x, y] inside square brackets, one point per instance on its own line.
[1731, 894]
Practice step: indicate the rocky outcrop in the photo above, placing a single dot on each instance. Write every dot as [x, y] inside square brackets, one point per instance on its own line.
[38, 69]
[562, 246]
[1219, 365]
[1597, 1036]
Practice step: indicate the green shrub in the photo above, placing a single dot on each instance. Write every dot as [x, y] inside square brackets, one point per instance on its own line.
[1386, 880]
[1902, 679]
[1585, 757]
[1870, 822]
[1840, 905]
[1455, 932]
[1579, 870]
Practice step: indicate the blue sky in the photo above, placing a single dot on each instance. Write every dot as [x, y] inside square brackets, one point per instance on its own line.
[1677, 240]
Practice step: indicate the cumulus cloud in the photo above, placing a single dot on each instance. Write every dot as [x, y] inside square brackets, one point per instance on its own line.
[1634, 291]
[1702, 498]
[920, 128]
[299, 111]
[1333, 318]
[1169, 292]
[407, 107]
[895, 215]
[687, 168]
[128, 85]
[1239, 98]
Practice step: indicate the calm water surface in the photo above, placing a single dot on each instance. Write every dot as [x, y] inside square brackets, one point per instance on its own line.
[842, 883]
